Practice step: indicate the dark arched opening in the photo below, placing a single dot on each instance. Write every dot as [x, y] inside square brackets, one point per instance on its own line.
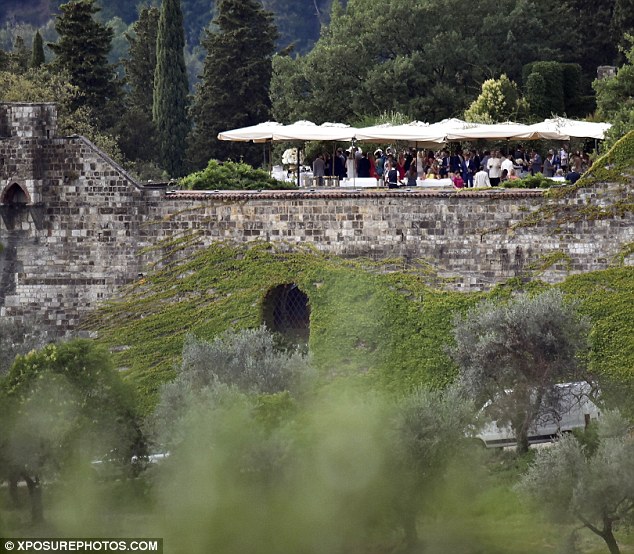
[15, 194]
[286, 312]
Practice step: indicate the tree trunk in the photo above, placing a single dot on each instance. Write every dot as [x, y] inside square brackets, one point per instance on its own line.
[13, 491]
[35, 495]
[608, 537]
[522, 442]
[409, 526]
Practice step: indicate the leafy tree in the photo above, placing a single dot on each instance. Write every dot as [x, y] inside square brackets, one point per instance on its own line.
[362, 65]
[500, 100]
[169, 108]
[516, 353]
[62, 403]
[622, 23]
[246, 361]
[82, 52]
[234, 88]
[19, 56]
[37, 55]
[17, 338]
[594, 486]
[615, 97]
[430, 428]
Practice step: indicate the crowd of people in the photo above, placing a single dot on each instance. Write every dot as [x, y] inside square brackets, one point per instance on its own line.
[465, 168]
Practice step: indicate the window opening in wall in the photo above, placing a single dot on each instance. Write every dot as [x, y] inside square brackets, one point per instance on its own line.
[15, 194]
[286, 311]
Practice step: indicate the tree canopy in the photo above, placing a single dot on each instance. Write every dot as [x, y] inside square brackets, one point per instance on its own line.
[514, 354]
[234, 87]
[82, 52]
[63, 403]
[592, 485]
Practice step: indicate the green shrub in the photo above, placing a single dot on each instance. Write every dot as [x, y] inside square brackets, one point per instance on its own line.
[537, 181]
[232, 176]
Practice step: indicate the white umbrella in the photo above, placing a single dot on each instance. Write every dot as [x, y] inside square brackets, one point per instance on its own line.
[508, 130]
[414, 132]
[560, 128]
[307, 130]
[262, 132]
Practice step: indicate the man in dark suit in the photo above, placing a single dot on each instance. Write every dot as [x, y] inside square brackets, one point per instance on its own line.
[468, 169]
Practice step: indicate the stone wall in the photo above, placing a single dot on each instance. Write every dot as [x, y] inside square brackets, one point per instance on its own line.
[87, 228]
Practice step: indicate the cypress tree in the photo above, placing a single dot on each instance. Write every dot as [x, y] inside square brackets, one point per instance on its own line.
[136, 131]
[234, 88]
[19, 56]
[169, 110]
[37, 55]
[82, 50]
[141, 62]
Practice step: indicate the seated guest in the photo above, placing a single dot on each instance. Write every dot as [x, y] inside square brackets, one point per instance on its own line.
[573, 176]
[513, 176]
[457, 180]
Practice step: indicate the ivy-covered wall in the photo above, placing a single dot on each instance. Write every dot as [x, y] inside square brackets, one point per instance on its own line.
[376, 322]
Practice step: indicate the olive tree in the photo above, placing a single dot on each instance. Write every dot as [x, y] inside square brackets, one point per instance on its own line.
[246, 362]
[62, 404]
[430, 427]
[514, 354]
[594, 486]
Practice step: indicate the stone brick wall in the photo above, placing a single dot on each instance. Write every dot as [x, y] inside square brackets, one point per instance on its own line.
[87, 226]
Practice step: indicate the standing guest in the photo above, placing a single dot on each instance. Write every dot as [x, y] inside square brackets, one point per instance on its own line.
[412, 174]
[485, 161]
[469, 168]
[420, 164]
[340, 164]
[319, 169]
[563, 157]
[400, 166]
[481, 179]
[507, 163]
[328, 164]
[556, 159]
[549, 167]
[351, 165]
[455, 162]
[409, 157]
[379, 161]
[363, 166]
[391, 174]
[535, 163]
[444, 164]
[372, 166]
[494, 165]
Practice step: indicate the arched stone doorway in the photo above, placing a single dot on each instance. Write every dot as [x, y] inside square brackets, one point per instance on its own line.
[14, 194]
[286, 311]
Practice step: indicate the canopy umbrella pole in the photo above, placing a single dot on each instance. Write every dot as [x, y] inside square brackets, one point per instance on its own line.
[299, 149]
